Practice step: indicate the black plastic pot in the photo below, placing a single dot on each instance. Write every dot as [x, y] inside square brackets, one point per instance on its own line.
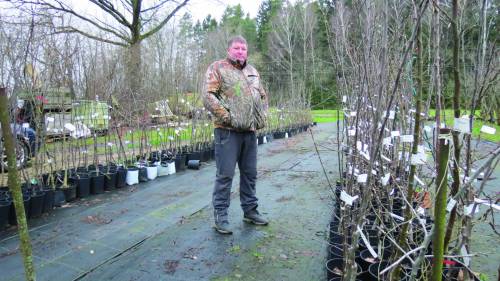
[4, 212]
[260, 140]
[121, 177]
[82, 183]
[335, 251]
[180, 162]
[59, 197]
[279, 135]
[375, 269]
[110, 180]
[335, 267]
[48, 199]
[69, 192]
[205, 155]
[143, 174]
[193, 164]
[37, 203]
[96, 183]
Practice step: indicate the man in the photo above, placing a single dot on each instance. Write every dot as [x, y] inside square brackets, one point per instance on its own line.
[236, 99]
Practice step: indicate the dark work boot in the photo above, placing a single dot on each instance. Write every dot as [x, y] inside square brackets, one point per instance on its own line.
[221, 224]
[255, 218]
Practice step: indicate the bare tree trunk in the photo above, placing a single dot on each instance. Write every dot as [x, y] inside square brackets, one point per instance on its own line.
[15, 187]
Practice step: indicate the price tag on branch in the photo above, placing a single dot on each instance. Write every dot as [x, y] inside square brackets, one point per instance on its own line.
[461, 125]
[407, 138]
[488, 130]
[348, 199]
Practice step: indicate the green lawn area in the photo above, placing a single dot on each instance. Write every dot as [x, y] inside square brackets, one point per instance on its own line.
[330, 115]
[476, 124]
[326, 115]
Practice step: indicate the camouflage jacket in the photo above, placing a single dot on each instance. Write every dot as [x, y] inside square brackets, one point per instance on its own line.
[235, 96]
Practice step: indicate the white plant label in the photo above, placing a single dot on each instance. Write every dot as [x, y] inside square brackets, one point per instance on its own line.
[353, 114]
[418, 159]
[488, 130]
[419, 181]
[70, 127]
[26, 125]
[387, 141]
[348, 199]
[365, 155]
[451, 203]
[421, 211]
[50, 119]
[351, 133]
[464, 253]
[461, 125]
[264, 139]
[400, 218]
[362, 178]
[407, 138]
[110, 144]
[385, 158]
[468, 210]
[367, 243]
[385, 179]
[344, 99]
[395, 134]
[286, 135]
[392, 114]
[487, 203]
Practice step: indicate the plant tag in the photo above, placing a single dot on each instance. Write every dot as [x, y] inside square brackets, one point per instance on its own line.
[351, 133]
[387, 141]
[421, 211]
[365, 155]
[468, 210]
[463, 252]
[419, 181]
[50, 119]
[407, 138]
[385, 158]
[374, 172]
[461, 125]
[418, 159]
[264, 139]
[353, 114]
[127, 142]
[70, 127]
[110, 144]
[451, 203]
[49, 161]
[367, 243]
[395, 134]
[488, 130]
[399, 218]
[348, 199]
[362, 178]
[26, 125]
[385, 179]
[286, 135]
[392, 114]
[344, 99]
[487, 203]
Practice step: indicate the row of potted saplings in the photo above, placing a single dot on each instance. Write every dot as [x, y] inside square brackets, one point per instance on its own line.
[382, 222]
[54, 189]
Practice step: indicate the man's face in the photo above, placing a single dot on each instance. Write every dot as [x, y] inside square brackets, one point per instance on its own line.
[238, 52]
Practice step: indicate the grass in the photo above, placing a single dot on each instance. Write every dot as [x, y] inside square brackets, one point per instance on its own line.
[330, 115]
[326, 115]
[448, 119]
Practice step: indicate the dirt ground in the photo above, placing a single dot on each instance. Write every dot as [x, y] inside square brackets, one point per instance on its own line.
[162, 230]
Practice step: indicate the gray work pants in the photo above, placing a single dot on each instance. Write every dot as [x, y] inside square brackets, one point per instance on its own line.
[230, 148]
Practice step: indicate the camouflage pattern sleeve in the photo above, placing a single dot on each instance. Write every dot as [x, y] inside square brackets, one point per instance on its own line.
[212, 95]
[264, 97]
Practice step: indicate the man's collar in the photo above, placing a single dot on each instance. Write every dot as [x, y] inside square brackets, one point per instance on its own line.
[237, 64]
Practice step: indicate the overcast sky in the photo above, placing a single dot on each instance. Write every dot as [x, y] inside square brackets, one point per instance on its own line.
[201, 8]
